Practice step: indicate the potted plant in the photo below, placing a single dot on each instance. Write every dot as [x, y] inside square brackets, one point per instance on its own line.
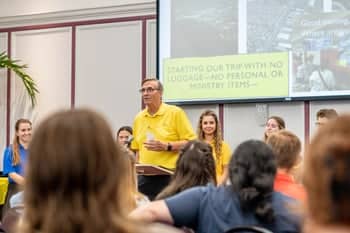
[28, 82]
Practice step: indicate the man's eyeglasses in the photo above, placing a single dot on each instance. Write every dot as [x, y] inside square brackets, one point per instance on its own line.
[148, 90]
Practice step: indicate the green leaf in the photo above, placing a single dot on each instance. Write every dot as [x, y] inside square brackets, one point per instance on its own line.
[28, 82]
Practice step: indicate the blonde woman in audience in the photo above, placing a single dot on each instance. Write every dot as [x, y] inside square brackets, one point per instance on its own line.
[209, 131]
[273, 124]
[287, 148]
[327, 178]
[76, 178]
[194, 167]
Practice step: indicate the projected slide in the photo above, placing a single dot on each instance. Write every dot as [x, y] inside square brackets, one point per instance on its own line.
[249, 50]
[226, 77]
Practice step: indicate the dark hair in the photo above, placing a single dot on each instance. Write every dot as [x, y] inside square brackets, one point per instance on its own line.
[124, 128]
[75, 177]
[16, 158]
[286, 147]
[252, 171]
[327, 177]
[280, 122]
[159, 84]
[327, 113]
[194, 167]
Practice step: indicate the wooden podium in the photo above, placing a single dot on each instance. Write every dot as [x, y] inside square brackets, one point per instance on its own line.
[152, 170]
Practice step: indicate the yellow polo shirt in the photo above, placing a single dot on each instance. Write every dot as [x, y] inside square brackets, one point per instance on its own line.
[168, 124]
[224, 158]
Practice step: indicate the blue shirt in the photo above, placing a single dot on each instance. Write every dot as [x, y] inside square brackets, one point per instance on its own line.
[7, 163]
[215, 210]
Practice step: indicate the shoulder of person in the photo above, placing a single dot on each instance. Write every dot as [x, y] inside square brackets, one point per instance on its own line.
[172, 107]
[8, 149]
[226, 145]
[140, 114]
[281, 196]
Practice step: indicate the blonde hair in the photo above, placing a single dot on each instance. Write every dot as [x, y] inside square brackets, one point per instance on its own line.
[131, 182]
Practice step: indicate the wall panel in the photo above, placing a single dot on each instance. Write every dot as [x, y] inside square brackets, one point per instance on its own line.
[151, 60]
[242, 123]
[194, 111]
[3, 99]
[108, 70]
[48, 55]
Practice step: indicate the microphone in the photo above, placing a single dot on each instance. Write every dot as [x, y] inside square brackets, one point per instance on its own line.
[128, 142]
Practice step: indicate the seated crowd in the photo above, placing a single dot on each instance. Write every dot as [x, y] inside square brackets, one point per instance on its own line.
[78, 182]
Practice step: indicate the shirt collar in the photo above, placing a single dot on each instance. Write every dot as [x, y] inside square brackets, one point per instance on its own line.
[160, 111]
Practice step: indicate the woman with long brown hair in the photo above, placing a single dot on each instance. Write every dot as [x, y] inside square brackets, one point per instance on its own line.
[194, 167]
[15, 157]
[209, 131]
[75, 178]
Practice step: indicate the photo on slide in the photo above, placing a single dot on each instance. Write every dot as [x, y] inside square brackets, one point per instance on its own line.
[321, 53]
[203, 28]
[270, 23]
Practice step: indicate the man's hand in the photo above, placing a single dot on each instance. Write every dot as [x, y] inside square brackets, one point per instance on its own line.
[155, 145]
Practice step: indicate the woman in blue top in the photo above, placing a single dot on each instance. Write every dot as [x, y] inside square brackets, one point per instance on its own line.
[15, 157]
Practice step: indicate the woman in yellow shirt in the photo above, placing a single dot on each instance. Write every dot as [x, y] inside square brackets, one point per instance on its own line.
[209, 130]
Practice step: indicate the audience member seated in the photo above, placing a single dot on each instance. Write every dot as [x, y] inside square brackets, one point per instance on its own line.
[14, 159]
[325, 115]
[273, 124]
[76, 176]
[194, 167]
[209, 131]
[327, 178]
[286, 147]
[124, 136]
[249, 200]
[136, 198]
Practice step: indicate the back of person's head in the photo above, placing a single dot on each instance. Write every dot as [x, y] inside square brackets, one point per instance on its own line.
[327, 113]
[75, 176]
[194, 167]
[327, 176]
[252, 171]
[286, 147]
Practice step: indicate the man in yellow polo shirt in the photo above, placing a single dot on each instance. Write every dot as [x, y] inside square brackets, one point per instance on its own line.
[160, 131]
